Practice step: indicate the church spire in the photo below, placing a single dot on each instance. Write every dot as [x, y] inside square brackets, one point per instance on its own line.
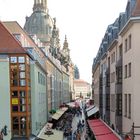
[40, 5]
[65, 46]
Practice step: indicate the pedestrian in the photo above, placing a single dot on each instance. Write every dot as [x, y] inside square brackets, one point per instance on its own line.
[78, 135]
[1, 135]
[86, 136]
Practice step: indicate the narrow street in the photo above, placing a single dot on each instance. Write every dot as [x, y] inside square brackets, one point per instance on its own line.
[75, 121]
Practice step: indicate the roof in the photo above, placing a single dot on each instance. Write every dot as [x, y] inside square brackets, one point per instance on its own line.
[101, 131]
[136, 11]
[80, 82]
[14, 28]
[56, 135]
[8, 43]
[39, 23]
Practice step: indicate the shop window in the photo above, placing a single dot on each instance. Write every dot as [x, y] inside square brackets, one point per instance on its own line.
[23, 126]
[15, 126]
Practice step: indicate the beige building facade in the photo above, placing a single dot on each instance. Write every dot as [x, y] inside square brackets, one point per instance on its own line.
[82, 89]
[119, 101]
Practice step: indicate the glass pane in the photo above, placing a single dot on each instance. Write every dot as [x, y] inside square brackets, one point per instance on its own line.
[16, 126]
[14, 93]
[22, 74]
[13, 59]
[22, 67]
[23, 132]
[22, 108]
[21, 59]
[22, 93]
[22, 83]
[14, 72]
[15, 108]
[14, 82]
[15, 120]
[22, 101]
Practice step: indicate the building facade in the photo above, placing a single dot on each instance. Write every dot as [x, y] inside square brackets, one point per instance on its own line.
[117, 63]
[38, 73]
[82, 89]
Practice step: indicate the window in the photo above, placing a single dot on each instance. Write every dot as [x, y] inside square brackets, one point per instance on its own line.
[125, 72]
[15, 125]
[15, 108]
[107, 101]
[129, 70]
[119, 104]
[14, 93]
[129, 107]
[125, 45]
[22, 94]
[22, 108]
[112, 102]
[108, 80]
[38, 77]
[125, 113]
[113, 57]
[21, 59]
[13, 59]
[112, 77]
[119, 75]
[22, 74]
[120, 50]
[14, 75]
[108, 62]
[129, 41]
[22, 82]
[22, 67]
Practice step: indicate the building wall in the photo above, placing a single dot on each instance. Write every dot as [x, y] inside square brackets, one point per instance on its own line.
[65, 89]
[103, 65]
[131, 84]
[112, 55]
[38, 98]
[82, 88]
[96, 85]
[5, 107]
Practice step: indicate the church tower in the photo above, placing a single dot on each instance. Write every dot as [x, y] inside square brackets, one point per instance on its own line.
[40, 5]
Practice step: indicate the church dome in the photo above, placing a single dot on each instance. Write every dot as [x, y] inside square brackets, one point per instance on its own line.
[41, 24]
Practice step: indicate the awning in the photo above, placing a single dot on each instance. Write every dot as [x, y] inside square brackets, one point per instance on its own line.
[56, 135]
[92, 111]
[71, 104]
[90, 107]
[59, 113]
[101, 131]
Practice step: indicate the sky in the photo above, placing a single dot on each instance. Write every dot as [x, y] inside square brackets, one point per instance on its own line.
[83, 21]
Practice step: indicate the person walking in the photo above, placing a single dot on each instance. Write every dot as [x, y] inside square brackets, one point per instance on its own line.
[78, 135]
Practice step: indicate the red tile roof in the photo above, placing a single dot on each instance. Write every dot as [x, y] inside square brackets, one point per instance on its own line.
[101, 131]
[8, 44]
